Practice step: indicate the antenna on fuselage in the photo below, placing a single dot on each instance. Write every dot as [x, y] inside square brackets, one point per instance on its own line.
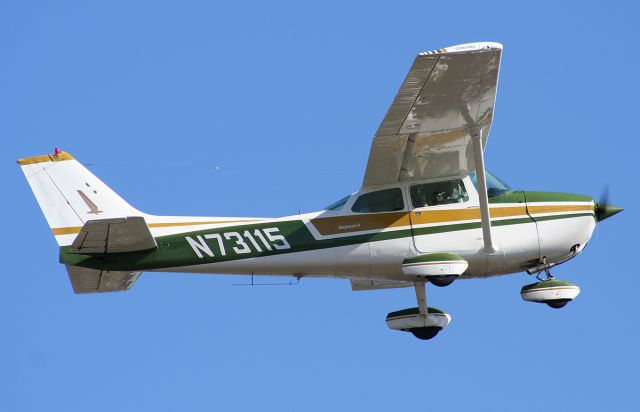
[288, 200]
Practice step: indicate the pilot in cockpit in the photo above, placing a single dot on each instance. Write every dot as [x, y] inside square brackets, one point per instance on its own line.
[438, 193]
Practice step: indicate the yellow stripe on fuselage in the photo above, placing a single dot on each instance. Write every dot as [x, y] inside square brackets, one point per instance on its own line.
[328, 226]
[538, 210]
[456, 215]
[76, 229]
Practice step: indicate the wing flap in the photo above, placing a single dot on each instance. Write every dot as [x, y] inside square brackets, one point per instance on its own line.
[375, 284]
[127, 234]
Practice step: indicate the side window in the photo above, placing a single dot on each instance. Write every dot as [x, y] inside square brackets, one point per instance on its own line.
[386, 200]
[438, 193]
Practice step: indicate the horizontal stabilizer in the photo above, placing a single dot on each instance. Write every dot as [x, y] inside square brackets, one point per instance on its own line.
[374, 284]
[86, 280]
[127, 234]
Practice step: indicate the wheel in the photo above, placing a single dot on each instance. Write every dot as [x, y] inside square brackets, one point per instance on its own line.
[442, 281]
[557, 303]
[426, 333]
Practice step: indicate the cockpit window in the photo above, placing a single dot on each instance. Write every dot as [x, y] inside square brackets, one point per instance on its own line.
[386, 200]
[495, 186]
[438, 193]
[337, 206]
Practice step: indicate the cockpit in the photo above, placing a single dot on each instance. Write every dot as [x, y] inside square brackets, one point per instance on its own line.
[424, 194]
[438, 193]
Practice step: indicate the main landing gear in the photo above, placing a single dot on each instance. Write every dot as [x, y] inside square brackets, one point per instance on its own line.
[423, 322]
[554, 292]
[441, 269]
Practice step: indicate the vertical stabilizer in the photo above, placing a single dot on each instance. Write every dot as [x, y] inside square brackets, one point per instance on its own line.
[70, 195]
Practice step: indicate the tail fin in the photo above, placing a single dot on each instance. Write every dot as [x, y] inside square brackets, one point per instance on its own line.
[70, 195]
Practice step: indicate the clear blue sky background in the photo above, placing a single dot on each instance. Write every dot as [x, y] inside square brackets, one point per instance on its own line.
[247, 108]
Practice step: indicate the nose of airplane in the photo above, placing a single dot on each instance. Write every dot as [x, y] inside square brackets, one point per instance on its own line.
[604, 211]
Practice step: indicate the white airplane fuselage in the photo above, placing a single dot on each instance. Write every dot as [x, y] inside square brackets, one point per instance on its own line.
[553, 229]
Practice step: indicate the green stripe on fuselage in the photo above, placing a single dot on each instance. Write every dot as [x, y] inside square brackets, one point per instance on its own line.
[519, 196]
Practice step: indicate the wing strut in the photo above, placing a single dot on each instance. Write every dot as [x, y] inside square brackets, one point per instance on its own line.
[489, 247]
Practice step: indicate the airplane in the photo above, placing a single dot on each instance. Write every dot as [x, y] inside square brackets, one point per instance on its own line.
[428, 211]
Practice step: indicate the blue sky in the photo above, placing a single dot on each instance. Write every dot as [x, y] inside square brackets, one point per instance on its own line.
[264, 109]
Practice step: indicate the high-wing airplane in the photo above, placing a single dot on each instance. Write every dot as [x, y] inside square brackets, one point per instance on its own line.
[427, 211]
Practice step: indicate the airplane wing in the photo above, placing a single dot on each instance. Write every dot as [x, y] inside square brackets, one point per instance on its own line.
[426, 133]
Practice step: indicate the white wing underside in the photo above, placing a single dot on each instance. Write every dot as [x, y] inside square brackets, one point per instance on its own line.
[448, 94]
[376, 284]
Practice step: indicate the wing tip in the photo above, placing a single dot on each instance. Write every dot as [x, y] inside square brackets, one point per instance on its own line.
[466, 47]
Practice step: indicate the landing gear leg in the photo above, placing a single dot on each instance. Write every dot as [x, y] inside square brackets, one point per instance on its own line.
[425, 332]
[421, 295]
[555, 293]
[546, 271]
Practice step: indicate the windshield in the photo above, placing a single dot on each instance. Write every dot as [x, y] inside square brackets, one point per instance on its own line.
[337, 206]
[495, 186]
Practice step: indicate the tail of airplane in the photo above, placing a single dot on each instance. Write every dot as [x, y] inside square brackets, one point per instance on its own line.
[70, 195]
[86, 217]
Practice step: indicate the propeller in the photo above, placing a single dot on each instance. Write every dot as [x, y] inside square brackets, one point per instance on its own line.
[603, 209]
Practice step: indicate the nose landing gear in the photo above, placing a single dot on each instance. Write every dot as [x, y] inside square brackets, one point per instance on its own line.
[554, 292]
